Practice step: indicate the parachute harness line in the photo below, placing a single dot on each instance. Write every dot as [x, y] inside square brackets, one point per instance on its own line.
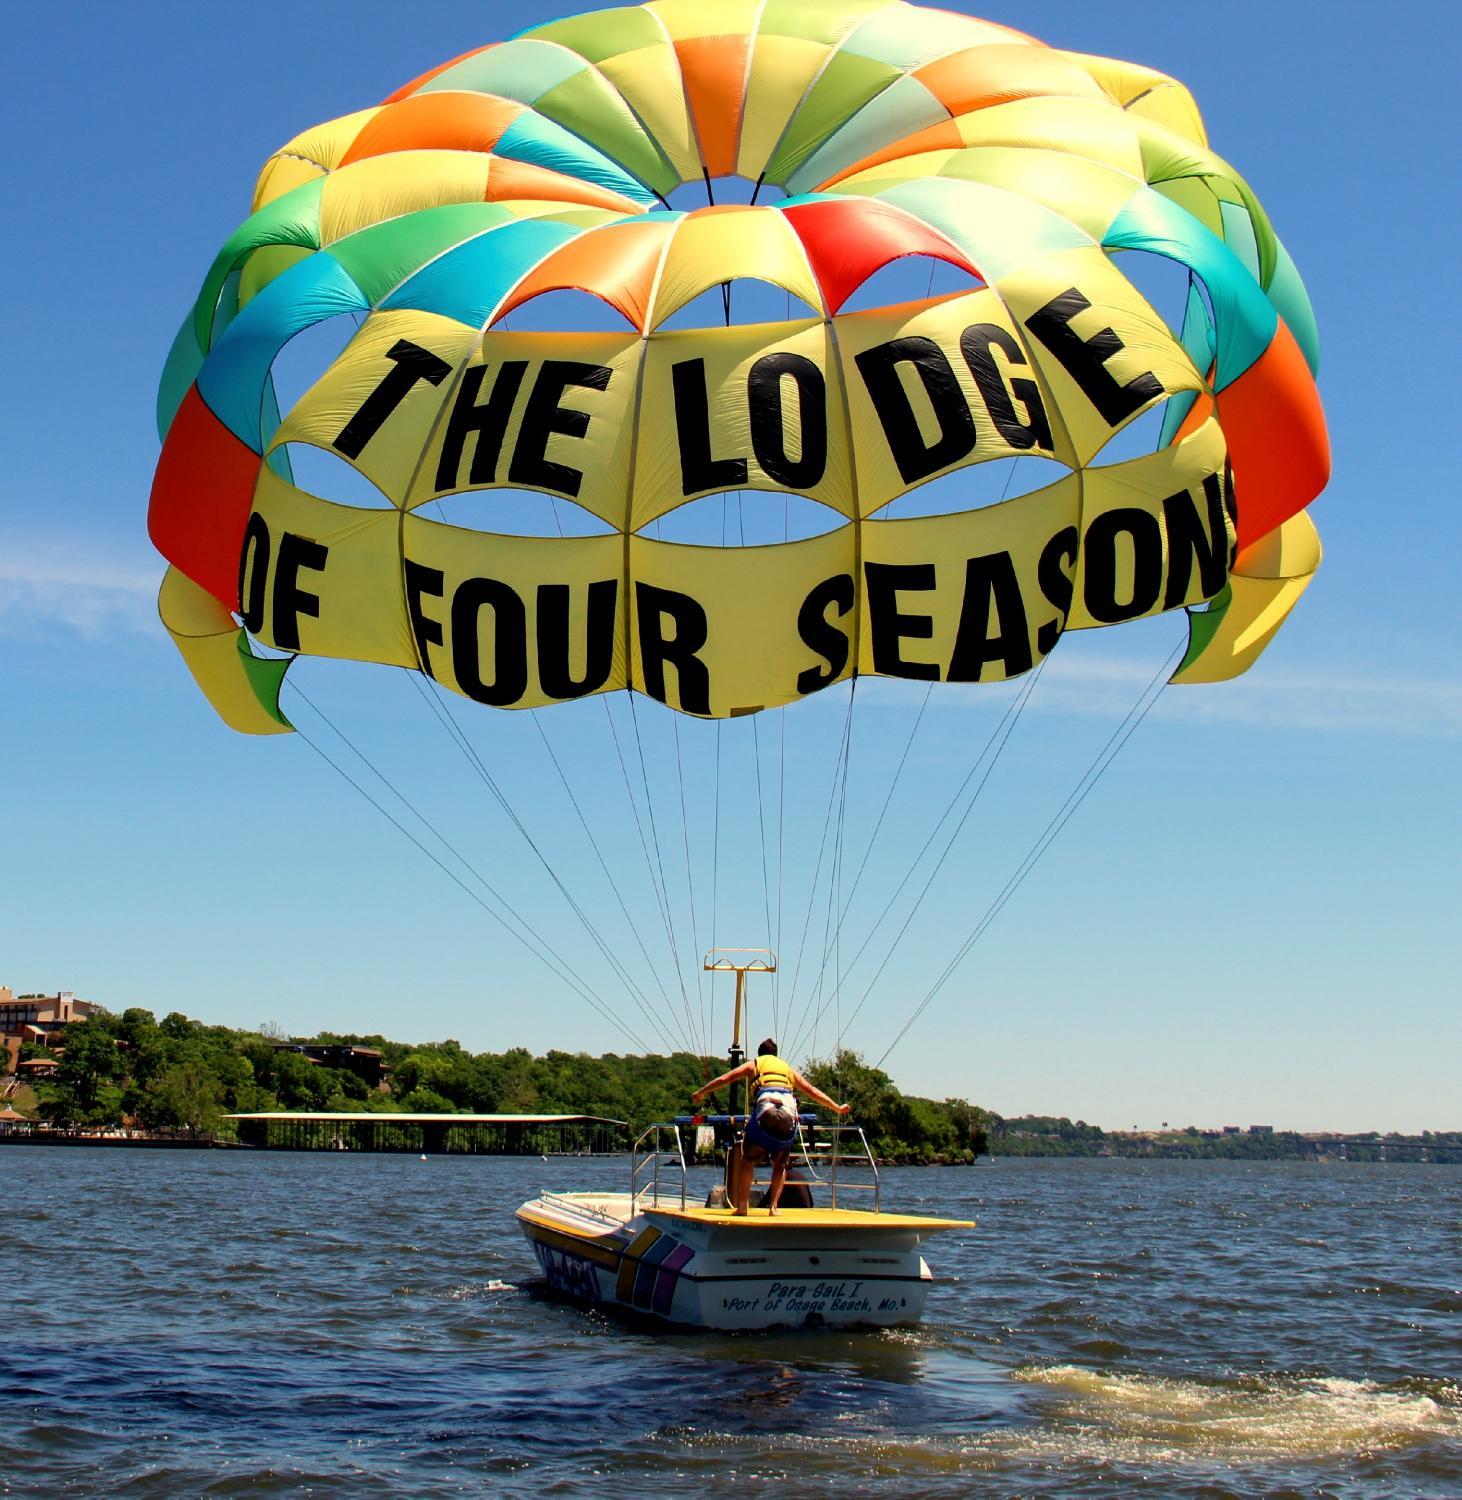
[1048, 835]
[547, 164]
[988, 756]
[459, 738]
[528, 937]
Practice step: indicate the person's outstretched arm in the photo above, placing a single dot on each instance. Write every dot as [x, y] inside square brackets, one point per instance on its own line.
[745, 1070]
[817, 1096]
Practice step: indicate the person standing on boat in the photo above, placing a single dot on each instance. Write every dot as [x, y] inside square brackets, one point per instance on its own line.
[771, 1125]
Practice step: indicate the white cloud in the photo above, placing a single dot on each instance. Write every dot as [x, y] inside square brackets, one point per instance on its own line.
[1322, 701]
[47, 585]
[1085, 683]
[1264, 697]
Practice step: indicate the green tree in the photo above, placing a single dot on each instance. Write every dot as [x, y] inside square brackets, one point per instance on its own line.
[89, 1062]
[427, 1102]
[177, 1026]
[187, 1094]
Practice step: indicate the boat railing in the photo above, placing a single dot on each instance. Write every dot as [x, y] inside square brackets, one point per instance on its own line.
[839, 1149]
[836, 1150]
[657, 1168]
[578, 1205]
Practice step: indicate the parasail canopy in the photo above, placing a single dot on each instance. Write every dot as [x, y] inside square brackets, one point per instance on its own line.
[546, 163]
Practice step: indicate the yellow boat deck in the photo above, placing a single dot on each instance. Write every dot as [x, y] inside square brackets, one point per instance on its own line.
[806, 1218]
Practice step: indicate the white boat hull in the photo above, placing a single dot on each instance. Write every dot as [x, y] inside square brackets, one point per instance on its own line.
[705, 1268]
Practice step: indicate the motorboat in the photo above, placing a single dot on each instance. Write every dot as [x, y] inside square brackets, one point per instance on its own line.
[668, 1252]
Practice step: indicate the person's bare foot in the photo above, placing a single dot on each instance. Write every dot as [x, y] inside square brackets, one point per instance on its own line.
[773, 1212]
[739, 1213]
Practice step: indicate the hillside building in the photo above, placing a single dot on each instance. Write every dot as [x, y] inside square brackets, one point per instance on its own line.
[37, 1018]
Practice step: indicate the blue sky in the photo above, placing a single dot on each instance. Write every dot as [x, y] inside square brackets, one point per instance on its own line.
[1251, 918]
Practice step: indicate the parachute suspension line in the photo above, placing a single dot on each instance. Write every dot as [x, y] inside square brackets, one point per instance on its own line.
[598, 855]
[781, 851]
[695, 944]
[761, 824]
[533, 942]
[715, 860]
[660, 866]
[832, 798]
[716, 827]
[817, 868]
[761, 815]
[883, 812]
[834, 899]
[657, 886]
[459, 738]
[993, 748]
[834, 890]
[781, 796]
[593, 843]
[1089, 778]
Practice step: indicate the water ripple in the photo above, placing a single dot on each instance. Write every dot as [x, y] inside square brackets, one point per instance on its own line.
[200, 1323]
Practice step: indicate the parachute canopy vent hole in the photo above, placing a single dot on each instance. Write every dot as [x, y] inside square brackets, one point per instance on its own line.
[564, 310]
[512, 512]
[745, 518]
[698, 193]
[910, 278]
[1163, 282]
[1143, 435]
[308, 355]
[320, 472]
[742, 300]
[976, 486]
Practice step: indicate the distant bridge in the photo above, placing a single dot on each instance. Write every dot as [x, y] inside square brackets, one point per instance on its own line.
[1368, 1148]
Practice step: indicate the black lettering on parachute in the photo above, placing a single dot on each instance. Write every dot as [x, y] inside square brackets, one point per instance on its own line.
[1056, 574]
[1024, 430]
[991, 586]
[287, 600]
[254, 573]
[653, 608]
[489, 421]
[915, 458]
[1189, 541]
[819, 633]
[975, 344]
[1085, 360]
[888, 627]
[510, 642]
[410, 363]
[699, 470]
[420, 581]
[554, 670]
[1130, 559]
[1143, 533]
[545, 415]
[768, 435]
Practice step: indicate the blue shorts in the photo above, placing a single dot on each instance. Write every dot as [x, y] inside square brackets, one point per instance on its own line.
[773, 1145]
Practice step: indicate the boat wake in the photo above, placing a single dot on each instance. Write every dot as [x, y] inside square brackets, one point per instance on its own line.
[1257, 1418]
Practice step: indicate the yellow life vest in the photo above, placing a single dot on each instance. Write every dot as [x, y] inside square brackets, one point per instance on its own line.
[773, 1073]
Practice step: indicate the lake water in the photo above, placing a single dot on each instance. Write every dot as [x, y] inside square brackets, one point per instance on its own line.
[184, 1323]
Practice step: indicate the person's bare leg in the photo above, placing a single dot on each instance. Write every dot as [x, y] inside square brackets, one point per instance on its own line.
[779, 1176]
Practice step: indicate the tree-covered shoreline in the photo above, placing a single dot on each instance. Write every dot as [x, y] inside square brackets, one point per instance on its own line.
[179, 1074]
[182, 1075]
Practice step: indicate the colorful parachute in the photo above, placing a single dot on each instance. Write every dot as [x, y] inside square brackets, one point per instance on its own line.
[545, 163]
